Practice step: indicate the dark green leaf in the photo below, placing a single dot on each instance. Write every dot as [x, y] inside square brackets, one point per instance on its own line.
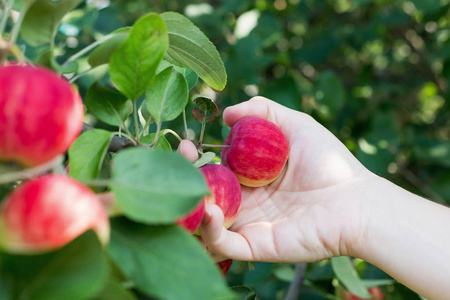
[346, 273]
[167, 96]
[102, 54]
[76, 271]
[114, 290]
[154, 186]
[42, 19]
[190, 76]
[244, 293]
[206, 107]
[107, 105]
[165, 262]
[87, 153]
[190, 48]
[133, 64]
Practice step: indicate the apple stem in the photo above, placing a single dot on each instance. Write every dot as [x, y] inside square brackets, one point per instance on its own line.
[213, 146]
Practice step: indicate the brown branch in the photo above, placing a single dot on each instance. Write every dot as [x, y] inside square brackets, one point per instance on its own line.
[117, 142]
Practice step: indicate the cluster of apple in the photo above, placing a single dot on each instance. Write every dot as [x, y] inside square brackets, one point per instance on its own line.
[41, 115]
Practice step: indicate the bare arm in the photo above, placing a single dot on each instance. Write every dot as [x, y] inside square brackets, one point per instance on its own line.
[327, 204]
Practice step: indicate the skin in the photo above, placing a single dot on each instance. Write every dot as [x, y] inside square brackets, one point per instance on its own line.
[326, 204]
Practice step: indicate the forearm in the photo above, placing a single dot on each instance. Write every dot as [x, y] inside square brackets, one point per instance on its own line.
[409, 238]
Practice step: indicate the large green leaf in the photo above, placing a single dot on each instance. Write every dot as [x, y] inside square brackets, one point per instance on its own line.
[190, 48]
[165, 262]
[167, 96]
[154, 186]
[76, 271]
[102, 54]
[43, 18]
[345, 271]
[87, 153]
[107, 105]
[134, 63]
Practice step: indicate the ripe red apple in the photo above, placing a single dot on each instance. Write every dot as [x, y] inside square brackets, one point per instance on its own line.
[41, 114]
[258, 151]
[225, 191]
[192, 220]
[48, 212]
[225, 266]
[375, 291]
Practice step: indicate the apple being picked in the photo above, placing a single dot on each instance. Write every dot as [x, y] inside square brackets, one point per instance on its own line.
[225, 266]
[258, 151]
[225, 191]
[41, 114]
[46, 213]
[193, 219]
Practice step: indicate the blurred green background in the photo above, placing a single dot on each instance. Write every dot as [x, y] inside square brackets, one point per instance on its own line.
[374, 72]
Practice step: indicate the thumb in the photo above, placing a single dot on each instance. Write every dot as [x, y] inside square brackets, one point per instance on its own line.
[221, 241]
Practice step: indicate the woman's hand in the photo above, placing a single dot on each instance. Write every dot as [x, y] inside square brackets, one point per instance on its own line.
[307, 214]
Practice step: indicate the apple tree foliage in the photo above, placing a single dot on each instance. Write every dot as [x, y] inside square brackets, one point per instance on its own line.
[374, 72]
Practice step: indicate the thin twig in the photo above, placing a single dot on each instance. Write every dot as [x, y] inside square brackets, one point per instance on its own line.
[297, 283]
[117, 142]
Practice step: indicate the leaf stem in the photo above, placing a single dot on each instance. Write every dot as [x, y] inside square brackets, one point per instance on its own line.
[136, 121]
[121, 134]
[213, 146]
[158, 129]
[16, 28]
[147, 124]
[96, 182]
[30, 172]
[185, 123]
[87, 49]
[173, 133]
[4, 17]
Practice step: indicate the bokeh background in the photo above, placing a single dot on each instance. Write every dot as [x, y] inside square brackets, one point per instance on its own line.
[374, 72]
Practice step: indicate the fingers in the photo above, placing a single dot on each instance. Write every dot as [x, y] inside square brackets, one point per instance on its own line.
[188, 150]
[256, 106]
[219, 240]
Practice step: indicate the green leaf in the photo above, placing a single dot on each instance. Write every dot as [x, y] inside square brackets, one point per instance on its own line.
[206, 107]
[167, 96]
[155, 187]
[107, 105]
[244, 293]
[368, 283]
[114, 290]
[87, 153]
[133, 64]
[102, 54]
[206, 158]
[47, 58]
[346, 273]
[76, 271]
[165, 262]
[190, 48]
[190, 76]
[43, 18]
[162, 144]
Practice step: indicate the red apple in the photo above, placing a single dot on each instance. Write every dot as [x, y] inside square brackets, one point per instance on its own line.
[225, 266]
[41, 114]
[225, 191]
[375, 291]
[46, 213]
[192, 220]
[258, 151]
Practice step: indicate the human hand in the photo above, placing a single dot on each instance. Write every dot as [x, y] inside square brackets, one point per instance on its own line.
[307, 214]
